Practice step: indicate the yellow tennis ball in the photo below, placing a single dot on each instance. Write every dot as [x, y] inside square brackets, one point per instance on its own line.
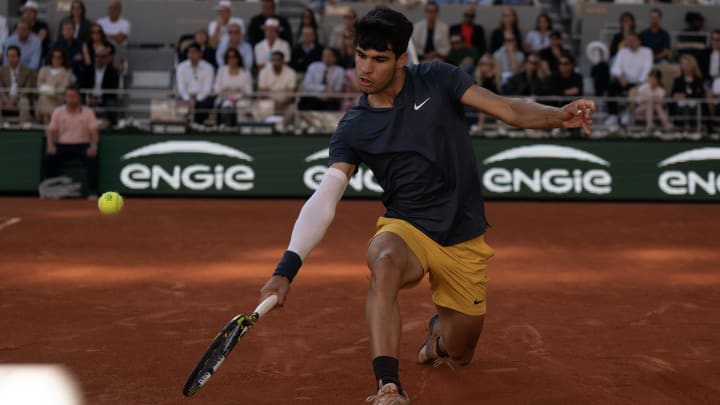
[110, 203]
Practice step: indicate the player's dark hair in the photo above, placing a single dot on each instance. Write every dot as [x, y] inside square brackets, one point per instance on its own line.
[384, 29]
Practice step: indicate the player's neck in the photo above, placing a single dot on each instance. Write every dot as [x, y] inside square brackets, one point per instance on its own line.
[386, 98]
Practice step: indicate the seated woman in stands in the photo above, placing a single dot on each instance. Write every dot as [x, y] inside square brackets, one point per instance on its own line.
[650, 101]
[687, 89]
[52, 82]
[233, 85]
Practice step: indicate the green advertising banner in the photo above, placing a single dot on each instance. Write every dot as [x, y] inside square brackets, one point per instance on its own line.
[285, 166]
[509, 169]
[20, 161]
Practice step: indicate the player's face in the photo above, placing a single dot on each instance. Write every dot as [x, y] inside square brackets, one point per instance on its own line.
[376, 70]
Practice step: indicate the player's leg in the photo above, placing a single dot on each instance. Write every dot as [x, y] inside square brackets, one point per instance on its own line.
[458, 334]
[392, 265]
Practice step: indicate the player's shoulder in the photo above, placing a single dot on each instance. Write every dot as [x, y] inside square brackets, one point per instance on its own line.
[352, 120]
[432, 69]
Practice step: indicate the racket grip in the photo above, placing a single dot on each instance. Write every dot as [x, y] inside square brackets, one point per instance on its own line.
[265, 306]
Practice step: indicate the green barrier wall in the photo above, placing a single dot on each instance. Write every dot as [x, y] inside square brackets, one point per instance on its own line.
[20, 158]
[292, 166]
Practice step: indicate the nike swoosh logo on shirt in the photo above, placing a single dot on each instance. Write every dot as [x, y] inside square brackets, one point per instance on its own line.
[417, 107]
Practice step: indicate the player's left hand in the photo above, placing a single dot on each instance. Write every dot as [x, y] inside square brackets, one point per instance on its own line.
[578, 114]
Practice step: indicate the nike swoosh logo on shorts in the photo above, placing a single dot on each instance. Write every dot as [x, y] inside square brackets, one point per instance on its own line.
[417, 107]
[477, 301]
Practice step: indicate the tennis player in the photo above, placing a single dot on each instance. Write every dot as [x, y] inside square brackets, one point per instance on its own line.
[410, 129]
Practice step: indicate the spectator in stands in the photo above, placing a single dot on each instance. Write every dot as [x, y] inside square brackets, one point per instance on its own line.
[598, 54]
[539, 38]
[565, 82]
[256, 32]
[52, 81]
[430, 35]
[306, 51]
[650, 104]
[307, 20]
[29, 44]
[278, 79]
[236, 40]
[117, 30]
[627, 27]
[336, 36]
[3, 34]
[461, 55]
[714, 59]
[200, 37]
[15, 79]
[656, 38]
[509, 58]
[528, 81]
[487, 76]
[630, 68]
[103, 81]
[550, 56]
[472, 34]
[73, 134]
[323, 77]
[96, 40]
[346, 57]
[80, 24]
[687, 89]
[194, 83]
[37, 27]
[219, 27]
[271, 43]
[233, 83]
[508, 27]
[72, 47]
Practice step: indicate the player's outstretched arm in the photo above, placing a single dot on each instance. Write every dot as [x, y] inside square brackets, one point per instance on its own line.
[528, 114]
[315, 216]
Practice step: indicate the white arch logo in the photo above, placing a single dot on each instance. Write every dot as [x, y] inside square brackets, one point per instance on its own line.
[694, 155]
[559, 180]
[194, 176]
[545, 152]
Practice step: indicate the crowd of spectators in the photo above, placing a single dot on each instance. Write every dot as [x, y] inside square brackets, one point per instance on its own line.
[39, 64]
[224, 66]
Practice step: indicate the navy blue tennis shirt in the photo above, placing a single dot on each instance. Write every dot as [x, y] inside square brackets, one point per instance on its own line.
[421, 153]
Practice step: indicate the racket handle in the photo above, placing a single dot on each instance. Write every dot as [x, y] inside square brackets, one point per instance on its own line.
[265, 306]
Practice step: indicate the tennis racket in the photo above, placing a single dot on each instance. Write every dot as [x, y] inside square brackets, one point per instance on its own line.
[223, 343]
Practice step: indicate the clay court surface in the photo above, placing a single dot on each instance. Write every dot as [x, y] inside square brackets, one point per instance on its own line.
[588, 304]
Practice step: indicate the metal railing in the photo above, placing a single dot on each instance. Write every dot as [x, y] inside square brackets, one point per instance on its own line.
[284, 111]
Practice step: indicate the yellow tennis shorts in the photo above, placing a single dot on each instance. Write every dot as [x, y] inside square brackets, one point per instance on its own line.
[458, 273]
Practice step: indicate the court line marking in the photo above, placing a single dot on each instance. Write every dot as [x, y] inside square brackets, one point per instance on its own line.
[9, 222]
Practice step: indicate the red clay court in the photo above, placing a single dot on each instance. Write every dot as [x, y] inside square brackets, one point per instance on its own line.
[588, 303]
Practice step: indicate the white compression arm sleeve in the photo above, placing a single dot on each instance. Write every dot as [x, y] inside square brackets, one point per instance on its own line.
[317, 213]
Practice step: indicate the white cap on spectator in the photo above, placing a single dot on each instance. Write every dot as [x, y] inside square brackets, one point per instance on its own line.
[31, 4]
[271, 22]
[223, 5]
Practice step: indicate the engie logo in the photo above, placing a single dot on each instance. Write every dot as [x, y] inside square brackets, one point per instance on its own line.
[691, 182]
[192, 175]
[362, 180]
[518, 178]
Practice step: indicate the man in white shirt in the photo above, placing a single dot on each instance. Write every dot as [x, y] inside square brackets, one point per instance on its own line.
[117, 30]
[194, 83]
[236, 39]
[271, 43]
[631, 68]
[431, 36]
[323, 77]
[218, 28]
[279, 78]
